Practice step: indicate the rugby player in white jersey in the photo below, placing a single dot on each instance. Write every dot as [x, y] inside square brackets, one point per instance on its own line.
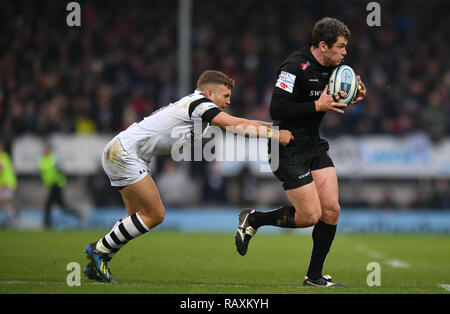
[127, 156]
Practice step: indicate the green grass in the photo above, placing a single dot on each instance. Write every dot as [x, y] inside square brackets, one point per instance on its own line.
[190, 263]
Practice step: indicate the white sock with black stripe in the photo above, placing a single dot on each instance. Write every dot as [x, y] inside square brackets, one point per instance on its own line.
[123, 231]
[100, 247]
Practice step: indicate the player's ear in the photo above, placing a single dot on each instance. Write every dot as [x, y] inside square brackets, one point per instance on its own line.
[207, 92]
[213, 91]
[323, 46]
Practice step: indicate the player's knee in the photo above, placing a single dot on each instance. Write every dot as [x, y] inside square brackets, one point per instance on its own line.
[153, 216]
[313, 219]
[307, 218]
[158, 215]
[333, 209]
[331, 213]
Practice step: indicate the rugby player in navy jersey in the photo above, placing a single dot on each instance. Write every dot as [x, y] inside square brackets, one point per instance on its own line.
[300, 100]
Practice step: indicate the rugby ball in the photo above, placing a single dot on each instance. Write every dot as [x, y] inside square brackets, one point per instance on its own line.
[344, 79]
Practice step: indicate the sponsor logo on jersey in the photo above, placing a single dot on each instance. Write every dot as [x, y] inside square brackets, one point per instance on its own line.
[305, 65]
[286, 81]
[315, 93]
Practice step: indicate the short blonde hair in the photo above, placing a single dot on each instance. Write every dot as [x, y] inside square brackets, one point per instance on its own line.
[214, 77]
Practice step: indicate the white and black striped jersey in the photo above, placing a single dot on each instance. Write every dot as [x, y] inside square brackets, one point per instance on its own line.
[156, 133]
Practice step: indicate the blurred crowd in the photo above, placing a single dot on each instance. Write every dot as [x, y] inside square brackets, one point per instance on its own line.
[121, 64]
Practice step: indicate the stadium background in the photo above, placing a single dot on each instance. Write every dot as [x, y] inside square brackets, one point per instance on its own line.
[77, 86]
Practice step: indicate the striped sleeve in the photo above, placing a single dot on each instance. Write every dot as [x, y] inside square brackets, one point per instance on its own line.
[204, 109]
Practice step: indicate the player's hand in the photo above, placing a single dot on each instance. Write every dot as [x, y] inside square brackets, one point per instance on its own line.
[284, 137]
[327, 103]
[361, 91]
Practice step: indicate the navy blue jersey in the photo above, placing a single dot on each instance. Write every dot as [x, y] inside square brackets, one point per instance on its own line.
[300, 81]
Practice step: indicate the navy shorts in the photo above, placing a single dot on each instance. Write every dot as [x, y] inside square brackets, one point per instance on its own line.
[295, 165]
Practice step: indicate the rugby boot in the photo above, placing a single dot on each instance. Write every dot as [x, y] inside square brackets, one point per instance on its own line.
[244, 231]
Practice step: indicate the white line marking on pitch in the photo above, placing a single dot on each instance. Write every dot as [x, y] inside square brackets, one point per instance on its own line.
[21, 282]
[396, 263]
[446, 287]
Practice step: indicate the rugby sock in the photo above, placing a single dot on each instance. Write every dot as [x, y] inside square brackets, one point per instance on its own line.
[123, 231]
[323, 235]
[100, 247]
[281, 217]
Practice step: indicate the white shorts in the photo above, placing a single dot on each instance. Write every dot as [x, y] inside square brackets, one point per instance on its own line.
[121, 167]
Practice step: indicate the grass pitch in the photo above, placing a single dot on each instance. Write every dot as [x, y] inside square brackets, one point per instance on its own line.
[163, 262]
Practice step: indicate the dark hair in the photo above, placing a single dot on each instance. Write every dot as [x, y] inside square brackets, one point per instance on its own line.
[327, 30]
[214, 77]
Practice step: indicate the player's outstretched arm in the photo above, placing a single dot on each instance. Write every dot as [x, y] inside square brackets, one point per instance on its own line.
[250, 128]
[263, 123]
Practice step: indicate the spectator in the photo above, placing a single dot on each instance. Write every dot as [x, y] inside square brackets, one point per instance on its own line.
[55, 181]
[214, 192]
[441, 194]
[8, 184]
[106, 75]
[175, 185]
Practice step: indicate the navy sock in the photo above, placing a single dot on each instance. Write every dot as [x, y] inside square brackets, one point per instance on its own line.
[323, 236]
[280, 217]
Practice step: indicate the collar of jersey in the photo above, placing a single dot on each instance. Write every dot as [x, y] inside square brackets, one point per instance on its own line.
[197, 92]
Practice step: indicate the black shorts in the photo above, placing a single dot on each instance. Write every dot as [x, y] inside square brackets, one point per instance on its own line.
[295, 165]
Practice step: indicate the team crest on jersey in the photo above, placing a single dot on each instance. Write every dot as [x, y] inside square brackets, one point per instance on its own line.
[305, 65]
[286, 81]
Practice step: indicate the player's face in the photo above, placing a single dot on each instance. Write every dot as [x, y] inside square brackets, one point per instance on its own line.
[335, 54]
[221, 96]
